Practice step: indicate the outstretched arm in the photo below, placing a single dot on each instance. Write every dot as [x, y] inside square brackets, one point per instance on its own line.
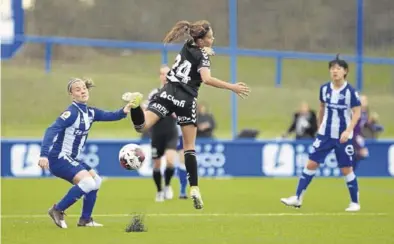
[204, 65]
[239, 88]
[101, 115]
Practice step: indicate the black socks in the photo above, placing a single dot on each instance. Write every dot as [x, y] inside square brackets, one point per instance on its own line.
[157, 179]
[168, 173]
[191, 167]
[138, 118]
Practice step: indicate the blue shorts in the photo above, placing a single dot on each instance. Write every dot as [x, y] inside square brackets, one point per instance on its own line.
[66, 167]
[323, 145]
[180, 143]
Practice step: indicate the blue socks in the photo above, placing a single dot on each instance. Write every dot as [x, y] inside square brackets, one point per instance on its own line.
[87, 187]
[182, 174]
[305, 179]
[70, 198]
[307, 176]
[352, 185]
[88, 204]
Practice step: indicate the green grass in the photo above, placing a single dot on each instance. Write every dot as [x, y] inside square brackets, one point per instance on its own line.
[236, 211]
[31, 99]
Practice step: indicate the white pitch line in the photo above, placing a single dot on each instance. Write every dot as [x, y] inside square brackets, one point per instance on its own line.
[204, 215]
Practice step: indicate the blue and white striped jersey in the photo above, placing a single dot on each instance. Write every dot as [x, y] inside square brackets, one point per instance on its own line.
[68, 134]
[338, 109]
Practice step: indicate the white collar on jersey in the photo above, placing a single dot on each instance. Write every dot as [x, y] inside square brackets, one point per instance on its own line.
[340, 89]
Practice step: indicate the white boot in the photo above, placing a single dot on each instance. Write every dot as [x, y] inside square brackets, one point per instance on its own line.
[353, 207]
[292, 201]
[160, 196]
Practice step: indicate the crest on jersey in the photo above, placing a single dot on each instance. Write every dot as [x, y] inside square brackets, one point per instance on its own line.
[65, 115]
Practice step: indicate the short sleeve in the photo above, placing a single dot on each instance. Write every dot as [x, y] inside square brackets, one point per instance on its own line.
[321, 94]
[355, 99]
[204, 61]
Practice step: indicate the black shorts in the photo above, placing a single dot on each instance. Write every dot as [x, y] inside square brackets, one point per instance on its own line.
[172, 98]
[162, 142]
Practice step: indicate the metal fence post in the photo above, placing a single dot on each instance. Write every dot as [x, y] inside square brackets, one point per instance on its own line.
[164, 55]
[233, 62]
[360, 44]
[48, 57]
[278, 76]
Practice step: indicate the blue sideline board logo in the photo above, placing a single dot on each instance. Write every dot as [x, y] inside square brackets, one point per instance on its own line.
[11, 25]
[215, 159]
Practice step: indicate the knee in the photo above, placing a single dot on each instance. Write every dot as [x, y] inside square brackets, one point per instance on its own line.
[347, 171]
[98, 180]
[170, 156]
[87, 184]
[312, 165]
[156, 163]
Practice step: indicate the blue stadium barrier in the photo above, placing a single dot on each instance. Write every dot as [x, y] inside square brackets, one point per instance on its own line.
[216, 158]
[156, 46]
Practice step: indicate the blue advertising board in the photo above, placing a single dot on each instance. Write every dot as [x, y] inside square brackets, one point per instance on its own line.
[216, 158]
[11, 25]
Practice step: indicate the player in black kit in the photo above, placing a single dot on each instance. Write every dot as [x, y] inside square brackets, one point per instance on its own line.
[164, 140]
[179, 94]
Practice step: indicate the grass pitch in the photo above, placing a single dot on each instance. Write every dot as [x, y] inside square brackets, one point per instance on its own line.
[242, 210]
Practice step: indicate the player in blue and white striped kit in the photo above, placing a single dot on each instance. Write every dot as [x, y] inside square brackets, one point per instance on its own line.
[340, 110]
[61, 146]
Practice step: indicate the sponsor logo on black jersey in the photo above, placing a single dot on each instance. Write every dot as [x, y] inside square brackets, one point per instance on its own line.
[160, 108]
[178, 103]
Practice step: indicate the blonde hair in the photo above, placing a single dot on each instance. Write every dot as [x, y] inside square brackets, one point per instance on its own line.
[88, 83]
[209, 51]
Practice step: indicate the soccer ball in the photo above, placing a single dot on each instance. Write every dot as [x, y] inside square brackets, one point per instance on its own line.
[131, 157]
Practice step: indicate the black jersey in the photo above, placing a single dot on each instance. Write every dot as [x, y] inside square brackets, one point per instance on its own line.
[166, 125]
[186, 69]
